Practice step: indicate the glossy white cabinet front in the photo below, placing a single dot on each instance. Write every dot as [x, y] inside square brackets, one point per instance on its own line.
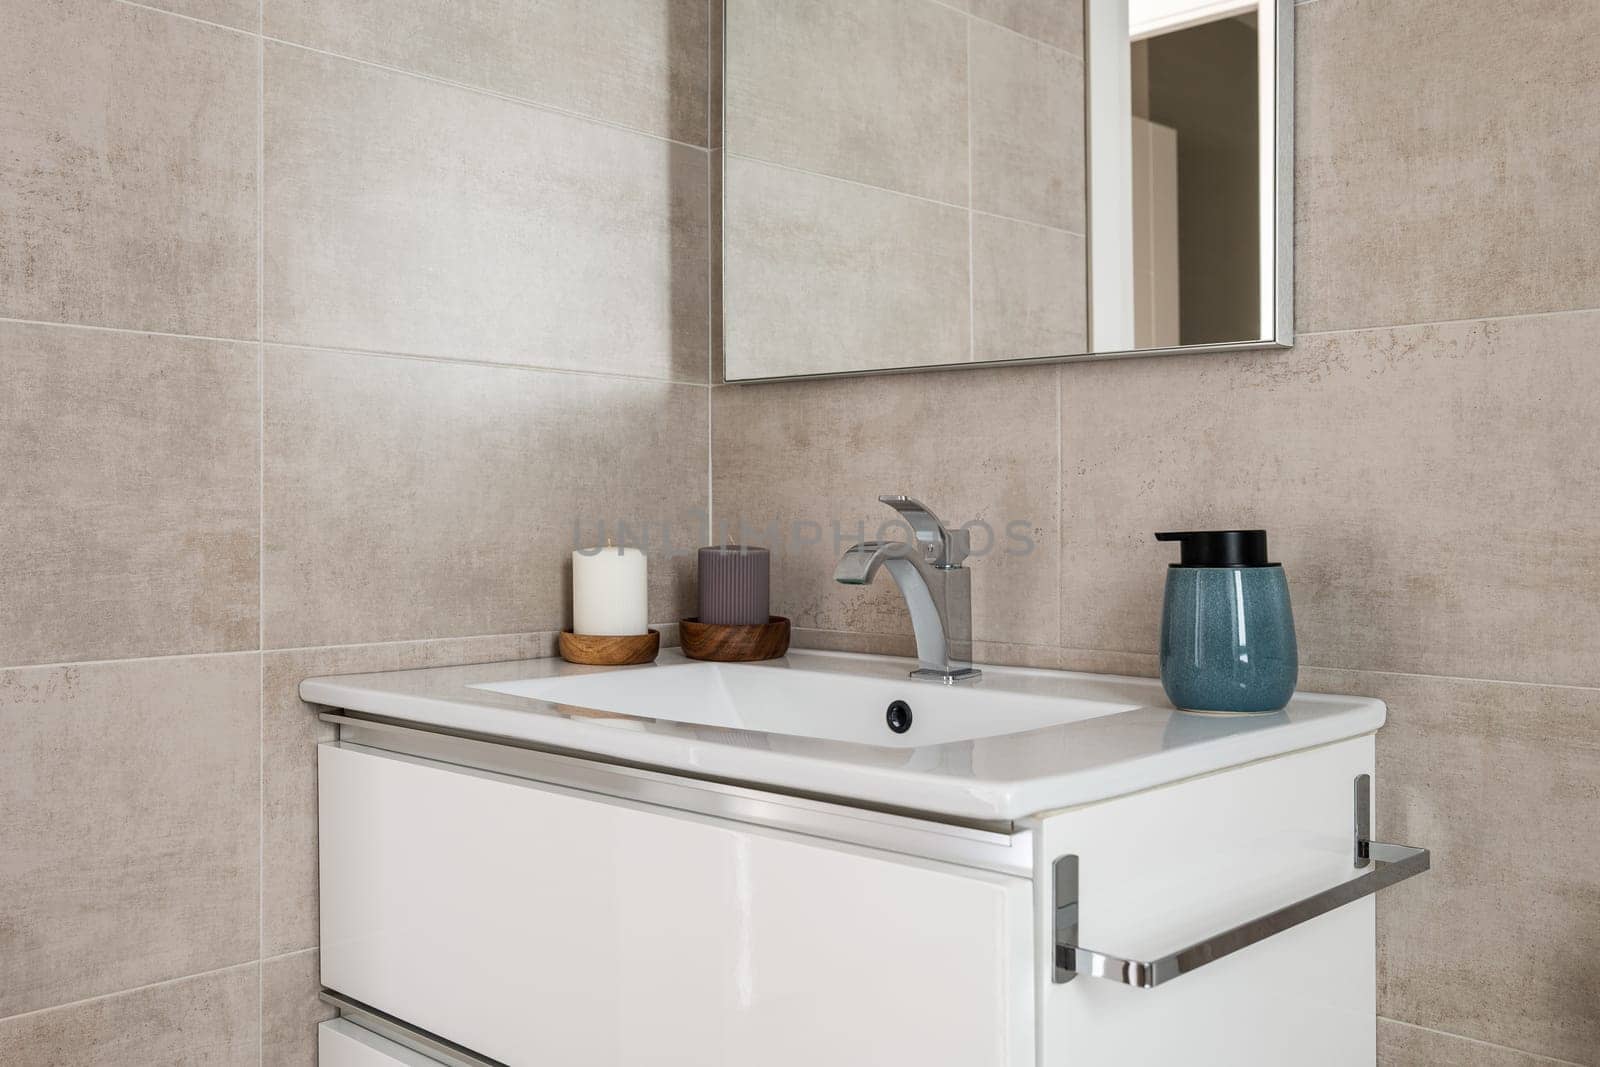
[538, 925]
[341, 1043]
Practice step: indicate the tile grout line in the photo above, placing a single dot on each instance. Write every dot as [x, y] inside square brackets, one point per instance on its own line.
[336, 349]
[1473, 679]
[858, 183]
[1539, 1056]
[1468, 321]
[134, 989]
[8, 320]
[189, 18]
[1564, 686]
[493, 94]
[464, 86]
[423, 358]
[1017, 33]
[261, 530]
[59, 664]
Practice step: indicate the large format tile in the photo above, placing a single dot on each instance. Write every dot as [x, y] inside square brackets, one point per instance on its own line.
[128, 180]
[129, 850]
[1027, 130]
[1030, 290]
[291, 1010]
[824, 275]
[1427, 489]
[1446, 154]
[404, 215]
[410, 498]
[239, 14]
[1056, 22]
[290, 731]
[129, 504]
[211, 1020]
[973, 445]
[641, 63]
[1502, 783]
[1403, 1045]
[870, 90]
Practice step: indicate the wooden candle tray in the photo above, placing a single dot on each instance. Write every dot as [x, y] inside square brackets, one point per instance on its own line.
[734, 644]
[610, 651]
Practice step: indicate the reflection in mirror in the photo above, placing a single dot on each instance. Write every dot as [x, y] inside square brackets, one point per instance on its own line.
[913, 183]
[1195, 172]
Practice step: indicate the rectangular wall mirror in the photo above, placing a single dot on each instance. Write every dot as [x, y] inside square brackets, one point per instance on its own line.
[942, 183]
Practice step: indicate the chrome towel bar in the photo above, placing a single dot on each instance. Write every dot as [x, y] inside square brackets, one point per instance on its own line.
[1389, 864]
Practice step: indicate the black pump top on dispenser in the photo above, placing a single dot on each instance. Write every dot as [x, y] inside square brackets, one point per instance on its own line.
[1221, 548]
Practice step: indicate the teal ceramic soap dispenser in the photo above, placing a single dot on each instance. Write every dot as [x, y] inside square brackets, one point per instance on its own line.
[1227, 633]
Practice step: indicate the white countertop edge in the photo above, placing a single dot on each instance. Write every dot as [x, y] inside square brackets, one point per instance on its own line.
[989, 800]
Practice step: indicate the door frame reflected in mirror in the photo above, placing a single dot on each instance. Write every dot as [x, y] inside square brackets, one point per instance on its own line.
[1107, 93]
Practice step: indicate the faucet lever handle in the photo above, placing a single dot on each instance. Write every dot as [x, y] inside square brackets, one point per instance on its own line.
[940, 545]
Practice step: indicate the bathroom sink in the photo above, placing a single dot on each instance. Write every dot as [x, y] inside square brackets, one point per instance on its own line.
[812, 695]
[1013, 743]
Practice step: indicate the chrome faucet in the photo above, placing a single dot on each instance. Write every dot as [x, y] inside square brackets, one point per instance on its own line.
[928, 572]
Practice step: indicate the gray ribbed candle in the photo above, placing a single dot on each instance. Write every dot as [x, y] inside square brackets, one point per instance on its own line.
[735, 585]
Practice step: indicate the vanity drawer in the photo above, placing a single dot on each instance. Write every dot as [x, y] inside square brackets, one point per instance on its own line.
[341, 1043]
[536, 924]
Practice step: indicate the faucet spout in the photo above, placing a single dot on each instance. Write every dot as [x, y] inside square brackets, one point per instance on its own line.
[936, 587]
[860, 563]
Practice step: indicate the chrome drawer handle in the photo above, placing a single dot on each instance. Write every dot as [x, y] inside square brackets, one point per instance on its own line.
[1389, 863]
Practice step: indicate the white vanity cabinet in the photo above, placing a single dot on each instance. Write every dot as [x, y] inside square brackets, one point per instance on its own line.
[545, 909]
[539, 925]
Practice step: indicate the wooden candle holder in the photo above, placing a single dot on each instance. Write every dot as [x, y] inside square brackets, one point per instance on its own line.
[734, 644]
[610, 651]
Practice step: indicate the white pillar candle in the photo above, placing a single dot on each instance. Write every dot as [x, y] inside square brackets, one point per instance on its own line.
[610, 592]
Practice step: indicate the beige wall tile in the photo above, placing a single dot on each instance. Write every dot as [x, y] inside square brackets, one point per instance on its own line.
[975, 445]
[641, 63]
[870, 90]
[823, 275]
[507, 234]
[999, 653]
[1426, 488]
[210, 1020]
[1030, 290]
[1403, 1045]
[715, 75]
[129, 508]
[291, 1010]
[290, 731]
[1445, 161]
[240, 14]
[1091, 661]
[409, 498]
[129, 851]
[128, 180]
[1481, 772]
[1056, 22]
[1027, 129]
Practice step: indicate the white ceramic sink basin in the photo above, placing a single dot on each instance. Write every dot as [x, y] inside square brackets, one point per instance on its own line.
[810, 696]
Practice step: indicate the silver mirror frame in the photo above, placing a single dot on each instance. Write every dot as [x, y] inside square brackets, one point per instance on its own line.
[1276, 102]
